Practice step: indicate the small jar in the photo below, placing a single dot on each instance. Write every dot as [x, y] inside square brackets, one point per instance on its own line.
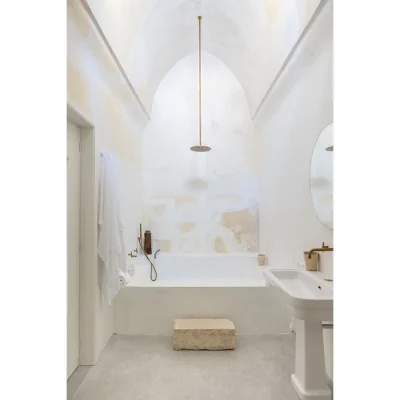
[261, 260]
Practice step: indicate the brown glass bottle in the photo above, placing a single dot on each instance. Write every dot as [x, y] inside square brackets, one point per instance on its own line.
[147, 242]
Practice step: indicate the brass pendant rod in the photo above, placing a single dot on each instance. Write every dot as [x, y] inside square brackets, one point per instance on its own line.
[199, 17]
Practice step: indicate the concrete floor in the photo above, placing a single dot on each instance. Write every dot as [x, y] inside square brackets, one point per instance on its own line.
[146, 368]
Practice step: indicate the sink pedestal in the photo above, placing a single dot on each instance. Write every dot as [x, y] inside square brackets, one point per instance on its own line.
[310, 380]
[311, 301]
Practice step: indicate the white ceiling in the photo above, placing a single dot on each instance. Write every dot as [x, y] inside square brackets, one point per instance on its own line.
[251, 37]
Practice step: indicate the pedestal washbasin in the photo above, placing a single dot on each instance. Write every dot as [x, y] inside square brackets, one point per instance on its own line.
[308, 296]
[311, 301]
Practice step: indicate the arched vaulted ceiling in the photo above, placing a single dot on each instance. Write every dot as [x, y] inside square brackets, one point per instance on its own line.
[251, 37]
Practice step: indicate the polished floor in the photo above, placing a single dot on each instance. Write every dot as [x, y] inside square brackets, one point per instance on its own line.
[146, 368]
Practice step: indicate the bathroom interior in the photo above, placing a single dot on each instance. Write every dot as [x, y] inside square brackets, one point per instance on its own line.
[200, 199]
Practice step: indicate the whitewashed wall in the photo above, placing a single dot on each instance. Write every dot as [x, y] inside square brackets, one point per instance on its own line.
[201, 202]
[297, 110]
[252, 37]
[290, 122]
[97, 90]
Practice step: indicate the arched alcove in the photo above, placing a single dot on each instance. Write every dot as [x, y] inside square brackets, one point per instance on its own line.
[201, 202]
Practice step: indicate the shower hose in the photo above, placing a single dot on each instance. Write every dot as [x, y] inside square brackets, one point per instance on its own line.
[152, 268]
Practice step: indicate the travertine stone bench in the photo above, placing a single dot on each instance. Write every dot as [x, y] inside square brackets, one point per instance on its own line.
[204, 334]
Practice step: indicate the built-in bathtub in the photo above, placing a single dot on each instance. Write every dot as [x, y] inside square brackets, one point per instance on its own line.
[200, 286]
[200, 270]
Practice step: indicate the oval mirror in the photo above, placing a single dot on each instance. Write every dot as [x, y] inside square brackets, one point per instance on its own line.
[321, 176]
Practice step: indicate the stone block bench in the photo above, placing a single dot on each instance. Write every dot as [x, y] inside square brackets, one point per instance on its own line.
[204, 334]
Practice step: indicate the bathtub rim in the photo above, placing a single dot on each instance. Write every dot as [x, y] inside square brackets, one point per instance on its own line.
[185, 283]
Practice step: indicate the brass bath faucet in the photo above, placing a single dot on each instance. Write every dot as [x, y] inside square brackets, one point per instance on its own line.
[131, 255]
[323, 249]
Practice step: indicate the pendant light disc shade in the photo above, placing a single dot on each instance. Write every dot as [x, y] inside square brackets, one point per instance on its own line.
[200, 149]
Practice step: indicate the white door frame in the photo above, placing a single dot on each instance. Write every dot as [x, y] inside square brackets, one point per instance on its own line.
[88, 237]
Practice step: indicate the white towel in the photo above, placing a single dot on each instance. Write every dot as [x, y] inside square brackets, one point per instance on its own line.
[124, 278]
[110, 247]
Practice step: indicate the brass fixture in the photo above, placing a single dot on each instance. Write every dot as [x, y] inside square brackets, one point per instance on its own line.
[155, 254]
[201, 148]
[323, 248]
[131, 255]
[152, 267]
[140, 235]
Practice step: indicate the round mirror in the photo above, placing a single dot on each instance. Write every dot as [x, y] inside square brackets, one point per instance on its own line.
[321, 176]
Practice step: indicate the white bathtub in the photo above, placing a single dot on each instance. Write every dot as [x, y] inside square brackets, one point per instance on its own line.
[200, 286]
[200, 270]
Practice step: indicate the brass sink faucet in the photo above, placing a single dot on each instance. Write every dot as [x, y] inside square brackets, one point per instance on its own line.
[323, 249]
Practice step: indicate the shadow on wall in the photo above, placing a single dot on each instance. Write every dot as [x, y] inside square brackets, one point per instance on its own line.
[201, 202]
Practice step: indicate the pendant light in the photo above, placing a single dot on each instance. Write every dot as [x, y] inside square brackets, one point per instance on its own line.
[200, 148]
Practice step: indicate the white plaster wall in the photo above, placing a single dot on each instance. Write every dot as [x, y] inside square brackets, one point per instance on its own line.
[97, 90]
[201, 202]
[252, 37]
[290, 122]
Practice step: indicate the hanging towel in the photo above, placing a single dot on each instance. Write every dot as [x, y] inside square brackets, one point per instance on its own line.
[110, 247]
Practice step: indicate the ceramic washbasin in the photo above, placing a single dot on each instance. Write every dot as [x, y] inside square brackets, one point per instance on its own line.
[308, 296]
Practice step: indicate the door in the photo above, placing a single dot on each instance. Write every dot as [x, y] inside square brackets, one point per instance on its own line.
[73, 207]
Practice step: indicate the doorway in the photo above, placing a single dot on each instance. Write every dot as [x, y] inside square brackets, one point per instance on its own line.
[73, 245]
[82, 276]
